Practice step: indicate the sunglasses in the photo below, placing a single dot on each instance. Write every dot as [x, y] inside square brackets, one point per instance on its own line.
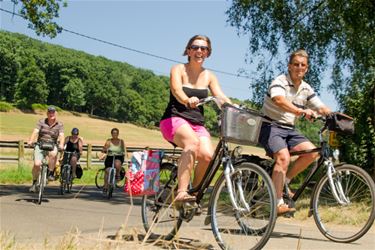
[196, 47]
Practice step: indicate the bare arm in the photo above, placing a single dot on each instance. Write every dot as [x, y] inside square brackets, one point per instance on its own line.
[324, 110]
[216, 89]
[33, 136]
[104, 150]
[61, 140]
[80, 146]
[286, 105]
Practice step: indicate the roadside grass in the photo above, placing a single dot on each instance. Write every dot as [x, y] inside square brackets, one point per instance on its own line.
[11, 174]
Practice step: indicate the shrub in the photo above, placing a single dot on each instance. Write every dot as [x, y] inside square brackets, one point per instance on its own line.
[6, 107]
[42, 107]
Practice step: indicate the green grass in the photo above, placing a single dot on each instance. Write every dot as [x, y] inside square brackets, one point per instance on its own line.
[14, 175]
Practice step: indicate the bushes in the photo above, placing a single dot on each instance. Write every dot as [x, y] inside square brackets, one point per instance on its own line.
[42, 107]
[6, 107]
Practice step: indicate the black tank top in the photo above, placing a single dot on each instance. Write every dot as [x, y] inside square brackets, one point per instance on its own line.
[177, 109]
[72, 147]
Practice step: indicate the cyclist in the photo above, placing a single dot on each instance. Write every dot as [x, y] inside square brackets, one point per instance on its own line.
[287, 98]
[113, 150]
[183, 121]
[47, 130]
[73, 144]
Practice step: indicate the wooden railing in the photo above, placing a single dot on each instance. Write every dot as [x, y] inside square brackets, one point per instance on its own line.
[87, 157]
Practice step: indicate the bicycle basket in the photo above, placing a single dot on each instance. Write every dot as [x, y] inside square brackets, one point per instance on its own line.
[240, 126]
[340, 123]
[46, 145]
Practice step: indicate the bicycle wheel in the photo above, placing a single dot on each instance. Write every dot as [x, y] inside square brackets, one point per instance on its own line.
[121, 182]
[62, 179]
[99, 178]
[42, 181]
[68, 179]
[350, 220]
[160, 218]
[255, 216]
[111, 182]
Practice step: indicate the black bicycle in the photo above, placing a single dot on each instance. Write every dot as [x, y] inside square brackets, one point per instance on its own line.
[342, 201]
[112, 182]
[242, 204]
[66, 174]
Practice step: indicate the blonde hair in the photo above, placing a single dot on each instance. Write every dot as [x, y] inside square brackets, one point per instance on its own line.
[300, 52]
[198, 37]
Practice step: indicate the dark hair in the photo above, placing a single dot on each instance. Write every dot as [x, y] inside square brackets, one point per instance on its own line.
[198, 37]
[75, 131]
[115, 129]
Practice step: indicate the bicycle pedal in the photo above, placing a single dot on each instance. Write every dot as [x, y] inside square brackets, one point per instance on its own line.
[289, 215]
[189, 205]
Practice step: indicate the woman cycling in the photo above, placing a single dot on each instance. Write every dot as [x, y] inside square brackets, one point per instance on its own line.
[183, 121]
[73, 144]
[113, 150]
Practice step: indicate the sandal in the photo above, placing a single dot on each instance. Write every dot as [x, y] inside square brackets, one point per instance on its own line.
[184, 196]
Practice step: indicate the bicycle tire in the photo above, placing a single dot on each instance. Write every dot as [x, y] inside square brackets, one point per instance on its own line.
[68, 180]
[62, 180]
[349, 222]
[234, 226]
[160, 219]
[42, 181]
[99, 178]
[121, 183]
[111, 183]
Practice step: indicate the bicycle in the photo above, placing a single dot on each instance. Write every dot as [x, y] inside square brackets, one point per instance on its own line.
[42, 178]
[66, 175]
[242, 207]
[112, 183]
[342, 201]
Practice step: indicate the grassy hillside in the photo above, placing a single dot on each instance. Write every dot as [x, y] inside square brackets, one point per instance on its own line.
[17, 125]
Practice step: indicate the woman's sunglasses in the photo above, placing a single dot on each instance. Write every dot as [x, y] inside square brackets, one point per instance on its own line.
[196, 47]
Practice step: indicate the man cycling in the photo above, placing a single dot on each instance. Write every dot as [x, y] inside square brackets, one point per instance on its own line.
[287, 98]
[46, 130]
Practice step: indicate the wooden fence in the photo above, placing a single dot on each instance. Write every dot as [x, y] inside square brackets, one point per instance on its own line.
[88, 151]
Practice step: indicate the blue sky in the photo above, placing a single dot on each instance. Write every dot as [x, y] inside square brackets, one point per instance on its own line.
[160, 28]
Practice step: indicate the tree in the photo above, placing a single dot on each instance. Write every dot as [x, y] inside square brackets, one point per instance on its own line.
[338, 31]
[31, 86]
[41, 14]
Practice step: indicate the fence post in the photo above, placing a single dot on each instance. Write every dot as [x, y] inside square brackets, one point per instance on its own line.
[89, 157]
[21, 154]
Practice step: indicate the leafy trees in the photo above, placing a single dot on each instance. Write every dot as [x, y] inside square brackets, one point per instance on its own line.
[339, 34]
[41, 14]
[31, 87]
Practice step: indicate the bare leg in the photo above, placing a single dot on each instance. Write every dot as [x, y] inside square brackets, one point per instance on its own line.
[73, 163]
[302, 161]
[282, 159]
[185, 138]
[204, 157]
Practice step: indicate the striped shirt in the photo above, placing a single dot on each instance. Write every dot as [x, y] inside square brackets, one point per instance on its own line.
[303, 97]
[47, 132]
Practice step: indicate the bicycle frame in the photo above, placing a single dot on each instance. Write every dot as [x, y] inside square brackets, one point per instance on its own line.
[322, 161]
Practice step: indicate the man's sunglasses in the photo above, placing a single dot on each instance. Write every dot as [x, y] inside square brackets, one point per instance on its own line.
[196, 47]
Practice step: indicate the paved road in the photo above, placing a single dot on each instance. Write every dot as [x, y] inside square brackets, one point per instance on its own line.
[93, 218]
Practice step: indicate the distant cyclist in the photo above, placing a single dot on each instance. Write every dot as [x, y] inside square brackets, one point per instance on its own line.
[47, 130]
[113, 149]
[73, 144]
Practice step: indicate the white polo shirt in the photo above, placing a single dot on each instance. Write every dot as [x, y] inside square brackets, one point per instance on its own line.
[303, 97]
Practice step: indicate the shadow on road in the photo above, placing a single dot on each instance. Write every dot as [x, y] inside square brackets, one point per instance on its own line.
[90, 193]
